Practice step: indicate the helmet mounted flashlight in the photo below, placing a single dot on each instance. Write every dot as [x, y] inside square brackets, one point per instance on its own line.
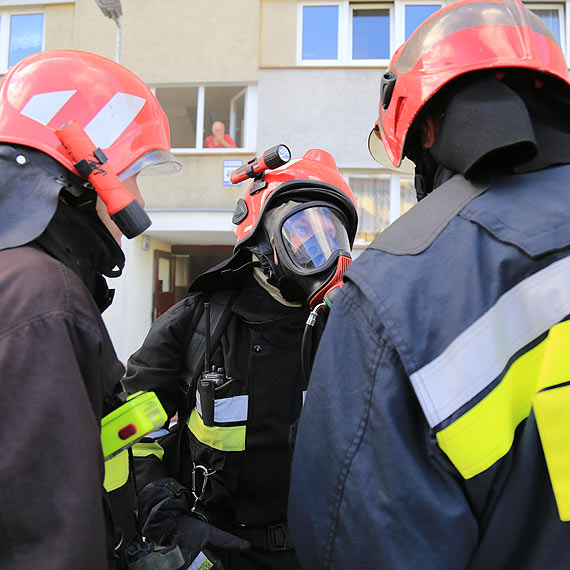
[89, 162]
[274, 157]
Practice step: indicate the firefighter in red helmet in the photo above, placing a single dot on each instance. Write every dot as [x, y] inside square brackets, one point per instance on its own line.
[60, 231]
[226, 497]
[443, 442]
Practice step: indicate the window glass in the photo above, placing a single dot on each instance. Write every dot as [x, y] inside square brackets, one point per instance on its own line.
[218, 108]
[320, 32]
[371, 33]
[407, 194]
[26, 36]
[416, 14]
[223, 105]
[373, 200]
[551, 17]
[181, 106]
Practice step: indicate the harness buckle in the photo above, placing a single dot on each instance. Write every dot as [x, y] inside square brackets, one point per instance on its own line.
[278, 537]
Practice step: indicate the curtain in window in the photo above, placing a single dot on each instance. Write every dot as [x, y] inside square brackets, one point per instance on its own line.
[373, 200]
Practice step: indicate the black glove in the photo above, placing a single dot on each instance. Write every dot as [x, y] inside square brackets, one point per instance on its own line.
[170, 521]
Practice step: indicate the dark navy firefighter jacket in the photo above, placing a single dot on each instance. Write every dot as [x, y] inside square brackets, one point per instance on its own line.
[418, 446]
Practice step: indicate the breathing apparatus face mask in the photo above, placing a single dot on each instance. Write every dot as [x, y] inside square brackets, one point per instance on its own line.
[311, 247]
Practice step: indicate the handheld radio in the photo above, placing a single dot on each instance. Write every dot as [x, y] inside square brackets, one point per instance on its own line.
[210, 379]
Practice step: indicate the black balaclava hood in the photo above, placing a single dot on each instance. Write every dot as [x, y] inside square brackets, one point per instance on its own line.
[494, 127]
[77, 237]
[45, 205]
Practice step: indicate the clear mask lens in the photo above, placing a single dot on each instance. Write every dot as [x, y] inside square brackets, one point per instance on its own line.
[313, 235]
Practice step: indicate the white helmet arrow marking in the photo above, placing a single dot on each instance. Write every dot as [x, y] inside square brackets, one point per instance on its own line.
[110, 122]
[45, 106]
[104, 128]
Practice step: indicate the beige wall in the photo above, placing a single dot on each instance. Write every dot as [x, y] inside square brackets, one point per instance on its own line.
[195, 41]
[197, 185]
[58, 23]
[278, 42]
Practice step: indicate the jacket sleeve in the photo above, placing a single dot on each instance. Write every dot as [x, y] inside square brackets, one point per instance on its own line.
[370, 488]
[157, 365]
[51, 468]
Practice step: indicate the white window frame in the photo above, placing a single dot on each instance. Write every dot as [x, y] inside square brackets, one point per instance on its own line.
[383, 62]
[340, 36]
[566, 45]
[562, 9]
[397, 14]
[249, 121]
[233, 105]
[32, 3]
[5, 25]
[344, 53]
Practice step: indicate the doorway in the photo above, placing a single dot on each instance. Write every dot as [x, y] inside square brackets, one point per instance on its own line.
[174, 271]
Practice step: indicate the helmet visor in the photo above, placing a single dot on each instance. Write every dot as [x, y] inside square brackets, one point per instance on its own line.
[379, 154]
[311, 236]
[153, 162]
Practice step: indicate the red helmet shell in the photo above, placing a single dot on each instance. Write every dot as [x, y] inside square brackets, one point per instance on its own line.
[118, 111]
[466, 36]
[315, 176]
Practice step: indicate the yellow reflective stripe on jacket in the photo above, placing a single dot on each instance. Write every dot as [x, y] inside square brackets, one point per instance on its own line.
[477, 357]
[230, 438]
[552, 411]
[148, 448]
[485, 433]
[116, 471]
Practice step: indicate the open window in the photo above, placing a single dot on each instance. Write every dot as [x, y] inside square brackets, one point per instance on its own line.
[194, 110]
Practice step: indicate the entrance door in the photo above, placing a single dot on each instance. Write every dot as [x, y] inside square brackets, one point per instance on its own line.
[164, 282]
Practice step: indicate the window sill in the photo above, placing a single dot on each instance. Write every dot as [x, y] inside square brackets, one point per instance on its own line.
[210, 151]
[343, 63]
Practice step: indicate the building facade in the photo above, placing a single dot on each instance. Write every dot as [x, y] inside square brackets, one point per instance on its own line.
[305, 73]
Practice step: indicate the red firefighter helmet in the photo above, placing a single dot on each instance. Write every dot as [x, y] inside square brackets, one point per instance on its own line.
[467, 36]
[298, 220]
[313, 177]
[116, 109]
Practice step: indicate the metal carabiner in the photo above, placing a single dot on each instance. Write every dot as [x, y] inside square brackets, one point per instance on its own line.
[205, 475]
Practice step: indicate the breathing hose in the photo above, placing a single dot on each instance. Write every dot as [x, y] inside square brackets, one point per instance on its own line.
[307, 341]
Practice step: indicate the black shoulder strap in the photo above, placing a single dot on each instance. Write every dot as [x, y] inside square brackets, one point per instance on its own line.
[415, 231]
[194, 353]
[221, 303]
